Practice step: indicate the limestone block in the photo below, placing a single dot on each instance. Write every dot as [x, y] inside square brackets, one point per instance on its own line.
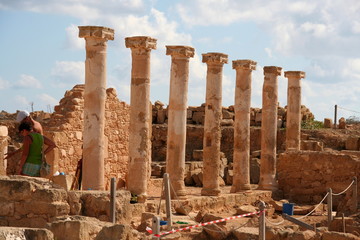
[227, 122]
[77, 228]
[198, 155]
[311, 145]
[247, 233]
[258, 118]
[10, 233]
[199, 117]
[63, 181]
[254, 170]
[7, 208]
[119, 232]
[352, 143]
[4, 131]
[189, 114]
[226, 114]
[342, 123]
[51, 209]
[161, 116]
[328, 123]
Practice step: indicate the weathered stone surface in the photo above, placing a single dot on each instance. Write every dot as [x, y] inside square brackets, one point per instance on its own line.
[77, 228]
[342, 123]
[338, 236]
[328, 123]
[10, 233]
[246, 233]
[352, 143]
[117, 232]
[304, 176]
[311, 145]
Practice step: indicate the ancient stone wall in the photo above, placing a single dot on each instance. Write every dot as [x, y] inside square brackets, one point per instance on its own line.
[305, 176]
[196, 115]
[3, 149]
[194, 141]
[35, 202]
[66, 127]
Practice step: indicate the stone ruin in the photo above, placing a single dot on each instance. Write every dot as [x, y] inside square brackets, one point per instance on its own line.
[241, 145]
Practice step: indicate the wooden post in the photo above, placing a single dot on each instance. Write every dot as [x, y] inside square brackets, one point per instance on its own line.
[112, 200]
[168, 200]
[329, 205]
[354, 195]
[335, 116]
[156, 227]
[262, 221]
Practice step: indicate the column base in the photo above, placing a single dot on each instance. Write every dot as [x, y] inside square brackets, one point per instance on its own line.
[210, 192]
[180, 194]
[268, 183]
[141, 198]
[240, 188]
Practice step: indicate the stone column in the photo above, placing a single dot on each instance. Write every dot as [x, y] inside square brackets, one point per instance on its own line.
[176, 137]
[241, 157]
[269, 128]
[3, 149]
[94, 105]
[293, 115]
[213, 116]
[139, 169]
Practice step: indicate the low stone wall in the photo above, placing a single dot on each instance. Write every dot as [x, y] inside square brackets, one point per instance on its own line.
[35, 202]
[306, 176]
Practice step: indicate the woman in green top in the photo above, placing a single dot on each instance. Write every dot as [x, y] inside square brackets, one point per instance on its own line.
[31, 158]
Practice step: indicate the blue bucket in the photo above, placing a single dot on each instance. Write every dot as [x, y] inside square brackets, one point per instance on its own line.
[288, 208]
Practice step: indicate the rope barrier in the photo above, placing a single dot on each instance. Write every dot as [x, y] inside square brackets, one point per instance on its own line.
[314, 208]
[348, 110]
[337, 194]
[208, 223]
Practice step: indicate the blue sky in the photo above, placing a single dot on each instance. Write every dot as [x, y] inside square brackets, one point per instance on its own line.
[42, 56]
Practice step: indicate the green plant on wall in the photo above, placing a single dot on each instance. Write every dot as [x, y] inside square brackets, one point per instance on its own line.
[312, 124]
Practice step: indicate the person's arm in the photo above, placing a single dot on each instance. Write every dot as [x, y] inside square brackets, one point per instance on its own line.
[25, 152]
[9, 155]
[51, 145]
[37, 127]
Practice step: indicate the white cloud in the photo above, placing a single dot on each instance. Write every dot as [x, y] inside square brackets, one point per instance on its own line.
[22, 101]
[66, 74]
[27, 81]
[47, 99]
[72, 38]
[4, 84]
[269, 52]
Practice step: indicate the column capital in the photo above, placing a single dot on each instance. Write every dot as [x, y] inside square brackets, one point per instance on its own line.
[297, 74]
[96, 32]
[214, 58]
[244, 64]
[144, 42]
[273, 69]
[180, 51]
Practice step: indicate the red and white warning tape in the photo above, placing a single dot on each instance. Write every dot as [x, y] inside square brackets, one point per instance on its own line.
[203, 224]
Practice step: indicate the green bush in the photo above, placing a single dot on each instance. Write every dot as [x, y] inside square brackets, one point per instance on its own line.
[312, 124]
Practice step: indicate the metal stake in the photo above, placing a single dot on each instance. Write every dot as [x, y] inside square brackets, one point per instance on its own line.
[112, 200]
[262, 221]
[168, 200]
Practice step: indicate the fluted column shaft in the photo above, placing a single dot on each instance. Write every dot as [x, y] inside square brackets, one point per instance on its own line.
[241, 157]
[176, 137]
[293, 115]
[269, 128]
[94, 105]
[213, 116]
[139, 169]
